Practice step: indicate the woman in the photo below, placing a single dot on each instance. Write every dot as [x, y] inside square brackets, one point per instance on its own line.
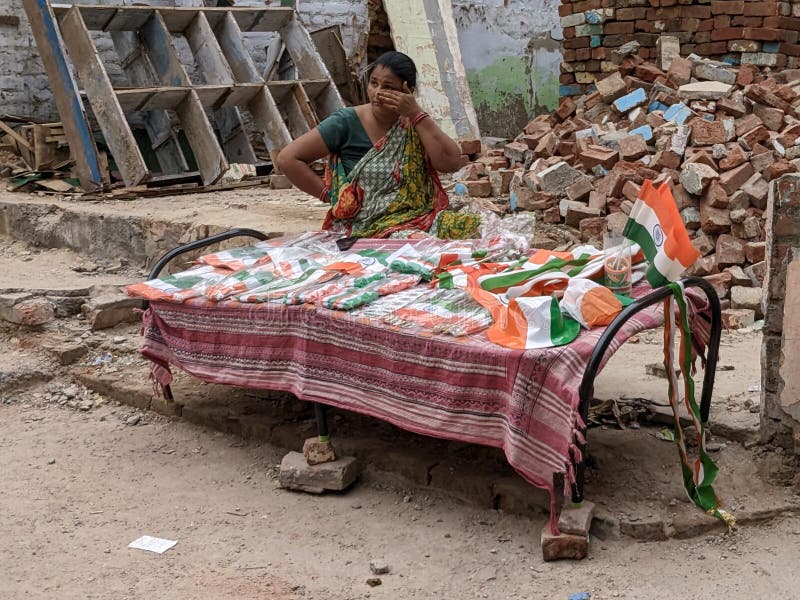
[381, 178]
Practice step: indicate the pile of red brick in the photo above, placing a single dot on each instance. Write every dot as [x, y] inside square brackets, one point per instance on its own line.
[758, 32]
[719, 144]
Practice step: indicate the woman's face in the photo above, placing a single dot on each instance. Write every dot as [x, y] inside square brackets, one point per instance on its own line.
[382, 79]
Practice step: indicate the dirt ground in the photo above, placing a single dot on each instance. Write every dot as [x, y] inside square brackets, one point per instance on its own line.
[84, 474]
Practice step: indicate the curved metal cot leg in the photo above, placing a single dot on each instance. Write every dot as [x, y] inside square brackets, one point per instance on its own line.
[596, 359]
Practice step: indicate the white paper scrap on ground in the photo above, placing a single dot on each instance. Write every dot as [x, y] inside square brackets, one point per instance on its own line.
[152, 544]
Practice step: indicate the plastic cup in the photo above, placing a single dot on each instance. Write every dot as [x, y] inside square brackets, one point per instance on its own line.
[617, 263]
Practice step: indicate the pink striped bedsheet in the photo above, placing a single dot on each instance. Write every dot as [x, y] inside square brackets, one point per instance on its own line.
[467, 389]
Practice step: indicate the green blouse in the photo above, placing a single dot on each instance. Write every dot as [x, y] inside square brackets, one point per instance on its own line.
[344, 135]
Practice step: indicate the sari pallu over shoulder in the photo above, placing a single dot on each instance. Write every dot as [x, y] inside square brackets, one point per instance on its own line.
[392, 188]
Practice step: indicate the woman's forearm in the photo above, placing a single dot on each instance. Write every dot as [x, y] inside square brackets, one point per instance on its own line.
[443, 151]
[302, 176]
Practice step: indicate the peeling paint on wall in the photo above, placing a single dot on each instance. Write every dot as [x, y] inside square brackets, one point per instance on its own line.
[512, 59]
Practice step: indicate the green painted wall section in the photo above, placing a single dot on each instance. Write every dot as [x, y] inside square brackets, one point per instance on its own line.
[545, 84]
[494, 85]
[502, 95]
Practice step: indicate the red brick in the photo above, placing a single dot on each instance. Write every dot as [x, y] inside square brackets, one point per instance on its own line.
[613, 28]
[763, 95]
[580, 190]
[778, 169]
[732, 107]
[611, 41]
[473, 171]
[566, 108]
[482, 188]
[735, 157]
[632, 147]
[727, 7]
[631, 191]
[574, 547]
[762, 8]
[738, 318]
[592, 228]
[742, 21]
[581, 42]
[714, 220]
[727, 33]
[716, 196]
[755, 252]
[630, 14]
[747, 74]
[707, 133]
[595, 155]
[735, 178]
[680, 71]
[649, 72]
[721, 22]
[746, 123]
[790, 23]
[730, 251]
[765, 34]
[755, 136]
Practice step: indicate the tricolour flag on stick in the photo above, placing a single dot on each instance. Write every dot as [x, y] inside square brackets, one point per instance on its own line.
[656, 225]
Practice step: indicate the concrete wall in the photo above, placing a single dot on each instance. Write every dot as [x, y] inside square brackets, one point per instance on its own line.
[23, 86]
[509, 48]
[512, 55]
[780, 377]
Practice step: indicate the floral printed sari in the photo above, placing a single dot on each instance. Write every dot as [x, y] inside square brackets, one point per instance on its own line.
[392, 188]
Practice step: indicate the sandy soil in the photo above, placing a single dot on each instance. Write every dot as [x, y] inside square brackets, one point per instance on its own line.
[78, 487]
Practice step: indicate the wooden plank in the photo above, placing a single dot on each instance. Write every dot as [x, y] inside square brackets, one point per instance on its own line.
[212, 96]
[314, 87]
[238, 56]
[274, 54]
[234, 137]
[158, 125]
[206, 148]
[298, 125]
[214, 69]
[160, 49]
[194, 121]
[96, 18]
[271, 19]
[306, 107]
[207, 53]
[178, 18]
[268, 118]
[17, 137]
[44, 152]
[309, 64]
[242, 94]
[65, 91]
[151, 99]
[128, 20]
[92, 73]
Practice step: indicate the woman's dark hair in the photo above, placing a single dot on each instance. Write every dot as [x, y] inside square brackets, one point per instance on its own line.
[399, 64]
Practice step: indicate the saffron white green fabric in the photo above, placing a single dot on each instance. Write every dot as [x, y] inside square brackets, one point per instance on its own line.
[655, 224]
